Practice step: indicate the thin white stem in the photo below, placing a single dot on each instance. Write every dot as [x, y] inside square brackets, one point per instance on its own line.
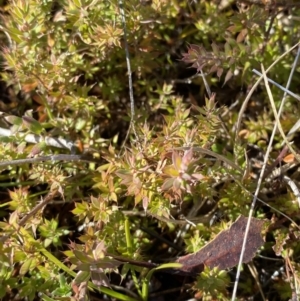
[279, 86]
[261, 174]
[245, 103]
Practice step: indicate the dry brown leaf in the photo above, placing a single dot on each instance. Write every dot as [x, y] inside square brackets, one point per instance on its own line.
[224, 251]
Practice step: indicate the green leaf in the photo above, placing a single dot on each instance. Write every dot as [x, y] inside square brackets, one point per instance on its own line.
[45, 297]
[32, 124]
[82, 276]
[14, 120]
[170, 171]
[77, 3]
[27, 265]
[80, 208]
[84, 258]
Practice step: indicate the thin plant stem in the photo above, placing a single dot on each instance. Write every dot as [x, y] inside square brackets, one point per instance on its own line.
[131, 97]
[245, 103]
[60, 157]
[261, 177]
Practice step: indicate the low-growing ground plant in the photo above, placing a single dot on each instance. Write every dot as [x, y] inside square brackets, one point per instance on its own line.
[134, 133]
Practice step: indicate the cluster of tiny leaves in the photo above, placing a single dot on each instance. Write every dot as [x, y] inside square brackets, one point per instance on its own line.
[69, 58]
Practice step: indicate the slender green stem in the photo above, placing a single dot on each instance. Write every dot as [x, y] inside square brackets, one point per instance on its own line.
[128, 237]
